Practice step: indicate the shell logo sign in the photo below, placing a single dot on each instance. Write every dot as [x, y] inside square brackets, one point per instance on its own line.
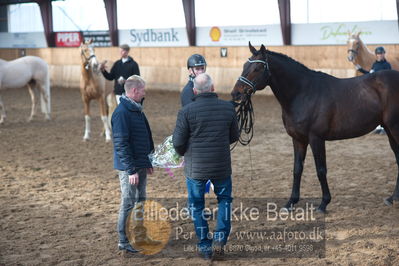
[215, 34]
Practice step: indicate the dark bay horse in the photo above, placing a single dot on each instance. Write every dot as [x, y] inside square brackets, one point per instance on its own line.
[317, 107]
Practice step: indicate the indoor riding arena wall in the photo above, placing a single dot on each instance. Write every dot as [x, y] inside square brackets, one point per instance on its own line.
[164, 68]
[60, 196]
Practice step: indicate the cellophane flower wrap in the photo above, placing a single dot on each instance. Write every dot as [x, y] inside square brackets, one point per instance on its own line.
[165, 156]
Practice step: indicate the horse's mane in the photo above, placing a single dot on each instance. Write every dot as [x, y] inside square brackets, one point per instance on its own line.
[293, 61]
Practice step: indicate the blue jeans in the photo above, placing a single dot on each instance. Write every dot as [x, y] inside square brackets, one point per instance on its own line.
[130, 195]
[196, 202]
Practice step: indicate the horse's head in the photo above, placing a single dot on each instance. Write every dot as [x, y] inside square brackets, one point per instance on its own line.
[353, 46]
[255, 75]
[89, 59]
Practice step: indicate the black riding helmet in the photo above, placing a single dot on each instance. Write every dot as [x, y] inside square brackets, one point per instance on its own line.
[196, 60]
[379, 50]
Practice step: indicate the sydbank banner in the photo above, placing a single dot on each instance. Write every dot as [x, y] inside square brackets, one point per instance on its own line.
[373, 32]
[239, 35]
[154, 37]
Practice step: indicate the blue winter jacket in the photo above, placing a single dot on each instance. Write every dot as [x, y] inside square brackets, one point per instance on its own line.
[132, 138]
[187, 94]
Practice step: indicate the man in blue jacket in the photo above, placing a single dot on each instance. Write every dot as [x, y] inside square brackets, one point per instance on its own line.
[133, 142]
[204, 131]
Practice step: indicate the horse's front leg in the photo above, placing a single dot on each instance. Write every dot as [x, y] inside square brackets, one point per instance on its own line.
[86, 103]
[3, 111]
[44, 99]
[319, 153]
[300, 148]
[393, 136]
[104, 118]
[32, 93]
[111, 104]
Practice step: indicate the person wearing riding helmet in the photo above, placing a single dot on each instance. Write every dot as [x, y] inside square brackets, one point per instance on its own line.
[196, 65]
[380, 64]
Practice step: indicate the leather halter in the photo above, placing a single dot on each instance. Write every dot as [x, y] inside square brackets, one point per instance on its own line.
[250, 83]
[87, 59]
[354, 51]
[245, 111]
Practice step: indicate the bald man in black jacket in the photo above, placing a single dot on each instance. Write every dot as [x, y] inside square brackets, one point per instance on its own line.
[204, 131]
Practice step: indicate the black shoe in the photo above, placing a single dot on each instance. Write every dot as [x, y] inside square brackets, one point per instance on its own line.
[128, 248]
[206, 255]
[205, 252]
[218, 249]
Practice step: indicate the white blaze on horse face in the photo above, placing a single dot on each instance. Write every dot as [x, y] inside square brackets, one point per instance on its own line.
[93, 59]
[351, 44]
[94, 64]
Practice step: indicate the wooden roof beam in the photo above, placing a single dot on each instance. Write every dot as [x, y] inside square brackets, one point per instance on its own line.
[284, 7]
[189, 14]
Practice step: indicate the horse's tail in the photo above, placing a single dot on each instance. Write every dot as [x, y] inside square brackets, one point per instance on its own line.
[46, 83]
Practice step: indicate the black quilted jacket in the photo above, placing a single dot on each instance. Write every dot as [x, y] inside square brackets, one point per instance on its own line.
[204, 131]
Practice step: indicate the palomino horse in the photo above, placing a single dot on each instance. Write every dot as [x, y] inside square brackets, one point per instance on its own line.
[31, 71]
[359, 54]
[317, 107]
[93, 86]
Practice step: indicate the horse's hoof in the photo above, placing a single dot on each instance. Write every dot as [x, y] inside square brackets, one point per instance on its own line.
[388, 201]
[107, 140]
[86, 139]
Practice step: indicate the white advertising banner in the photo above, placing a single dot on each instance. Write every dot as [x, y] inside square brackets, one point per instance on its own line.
[373, 32]
[154, 37]
[239, 35]
[22, 40]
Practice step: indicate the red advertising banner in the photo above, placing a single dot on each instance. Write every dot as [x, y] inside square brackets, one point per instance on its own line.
[68, 39]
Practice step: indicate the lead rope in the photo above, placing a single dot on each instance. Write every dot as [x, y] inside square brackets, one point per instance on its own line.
[246, 121]
[250, 160]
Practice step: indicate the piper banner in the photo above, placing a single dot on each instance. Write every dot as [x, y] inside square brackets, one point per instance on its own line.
[68, 39]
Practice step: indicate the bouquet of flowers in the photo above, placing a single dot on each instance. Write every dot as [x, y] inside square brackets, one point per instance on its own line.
[165, 156]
